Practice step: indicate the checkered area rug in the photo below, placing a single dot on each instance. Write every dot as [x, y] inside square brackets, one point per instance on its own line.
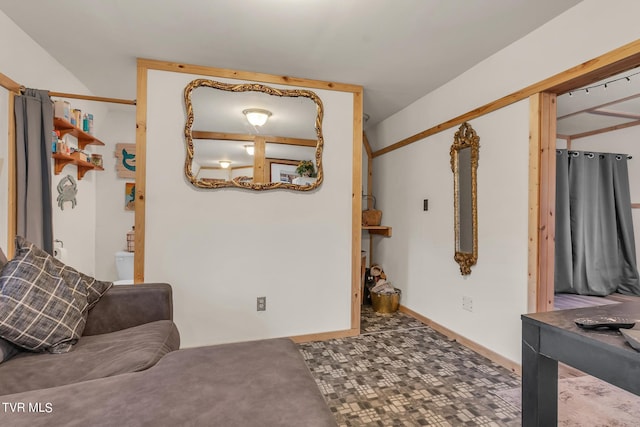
[410, 375]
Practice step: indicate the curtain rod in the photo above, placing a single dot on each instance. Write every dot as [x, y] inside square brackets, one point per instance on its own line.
[591, 154]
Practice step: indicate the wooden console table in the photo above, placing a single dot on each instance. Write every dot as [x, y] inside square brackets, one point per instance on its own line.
[550, 337]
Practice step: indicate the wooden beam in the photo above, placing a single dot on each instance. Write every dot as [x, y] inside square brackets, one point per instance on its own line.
[246, 75]
[10, 85]
[141, 174]
[595, 107]
[533, 268]
[367, 148]
[260, 173]
[197, 134]
[607, 65]
[93, 98]
[356, 211]
[604, 130]
[542, 193]
[611, 113]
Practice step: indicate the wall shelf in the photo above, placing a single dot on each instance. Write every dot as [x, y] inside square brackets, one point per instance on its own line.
[66, 128]
[378, 229]
[62, 160]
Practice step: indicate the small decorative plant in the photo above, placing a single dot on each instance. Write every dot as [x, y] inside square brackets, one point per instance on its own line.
[306, 168]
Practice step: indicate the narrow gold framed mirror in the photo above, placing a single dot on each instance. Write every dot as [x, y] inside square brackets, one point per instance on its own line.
[252, 136]
[465, 153]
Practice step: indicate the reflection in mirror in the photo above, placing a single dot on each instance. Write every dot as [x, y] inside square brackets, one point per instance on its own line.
[227, 148]
[464, 164]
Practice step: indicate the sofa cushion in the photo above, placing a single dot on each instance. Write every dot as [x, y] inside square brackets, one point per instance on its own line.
[259, 383]
[96, 356]
[7, 350]
[38, 311]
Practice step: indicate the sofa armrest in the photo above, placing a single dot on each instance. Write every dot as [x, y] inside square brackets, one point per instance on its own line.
[125, 306]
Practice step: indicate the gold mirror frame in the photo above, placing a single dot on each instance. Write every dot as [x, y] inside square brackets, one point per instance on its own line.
[246, 87]
[465, 138]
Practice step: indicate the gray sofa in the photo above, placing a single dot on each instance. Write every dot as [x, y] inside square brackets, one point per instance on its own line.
[127, 370]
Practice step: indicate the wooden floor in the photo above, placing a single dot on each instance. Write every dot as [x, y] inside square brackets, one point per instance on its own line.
[569, 301]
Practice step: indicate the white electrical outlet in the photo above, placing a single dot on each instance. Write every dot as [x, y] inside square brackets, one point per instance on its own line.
[467, 303]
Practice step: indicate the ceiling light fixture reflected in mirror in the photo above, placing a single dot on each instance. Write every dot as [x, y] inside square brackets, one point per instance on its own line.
[224, 164]
[257, 116]
[249, 149]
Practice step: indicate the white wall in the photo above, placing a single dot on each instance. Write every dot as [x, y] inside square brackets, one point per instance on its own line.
[422, 241]
[27, 63]
[620, 141]
[90, 235]
[112, 220]
[221, 249]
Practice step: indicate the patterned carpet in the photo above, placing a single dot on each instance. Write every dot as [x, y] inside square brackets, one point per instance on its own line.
[400, 372]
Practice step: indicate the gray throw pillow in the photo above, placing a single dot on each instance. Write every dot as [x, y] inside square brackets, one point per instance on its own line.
[38, 310]
[7, 350]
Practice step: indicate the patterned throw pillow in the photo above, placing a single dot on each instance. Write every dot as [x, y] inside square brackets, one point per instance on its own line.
[38, 310]
[7, 350]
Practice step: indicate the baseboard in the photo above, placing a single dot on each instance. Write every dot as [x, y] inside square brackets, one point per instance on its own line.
[322, 336]
[489, 354]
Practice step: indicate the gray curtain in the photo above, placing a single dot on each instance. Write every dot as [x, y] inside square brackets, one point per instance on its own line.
[595, 247]
[34, 128]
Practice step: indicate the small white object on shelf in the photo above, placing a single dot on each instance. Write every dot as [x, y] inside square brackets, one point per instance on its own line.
[303, 180]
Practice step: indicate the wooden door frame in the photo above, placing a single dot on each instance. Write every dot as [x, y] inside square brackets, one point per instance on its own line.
[542, 163]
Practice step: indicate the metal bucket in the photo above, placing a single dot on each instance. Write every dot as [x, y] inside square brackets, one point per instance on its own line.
[385, 303]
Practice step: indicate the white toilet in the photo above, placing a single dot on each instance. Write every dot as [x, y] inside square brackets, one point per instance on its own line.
[124, 266]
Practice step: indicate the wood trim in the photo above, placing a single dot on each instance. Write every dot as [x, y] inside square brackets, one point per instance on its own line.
[607, 65]
[12, 215]
[260, 165]
[542, 193]
[324, 336]
[534, 205]
[489, 354]
[10, 85]
[356, 212]
[604, 130]
[141, 174]
[635, 205]
[197, 134]
[367, 148]
[590, 109]
[246, 75]
[93, 98]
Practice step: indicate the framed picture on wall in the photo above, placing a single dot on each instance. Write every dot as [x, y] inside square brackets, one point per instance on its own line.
[129, 196]
[283, 172]
[126, 164]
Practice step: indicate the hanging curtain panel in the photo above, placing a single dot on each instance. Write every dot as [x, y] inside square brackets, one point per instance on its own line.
[595, 245]
[34, 128]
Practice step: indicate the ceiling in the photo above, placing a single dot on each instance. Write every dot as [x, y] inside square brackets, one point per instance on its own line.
[397, 50]
[603, 106]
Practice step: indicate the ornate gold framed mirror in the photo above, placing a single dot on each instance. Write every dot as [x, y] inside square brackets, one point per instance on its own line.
[252, 136]
[464, 164]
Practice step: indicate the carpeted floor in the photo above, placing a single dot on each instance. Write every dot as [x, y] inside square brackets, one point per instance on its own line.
[400, 372]
[587, 401]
